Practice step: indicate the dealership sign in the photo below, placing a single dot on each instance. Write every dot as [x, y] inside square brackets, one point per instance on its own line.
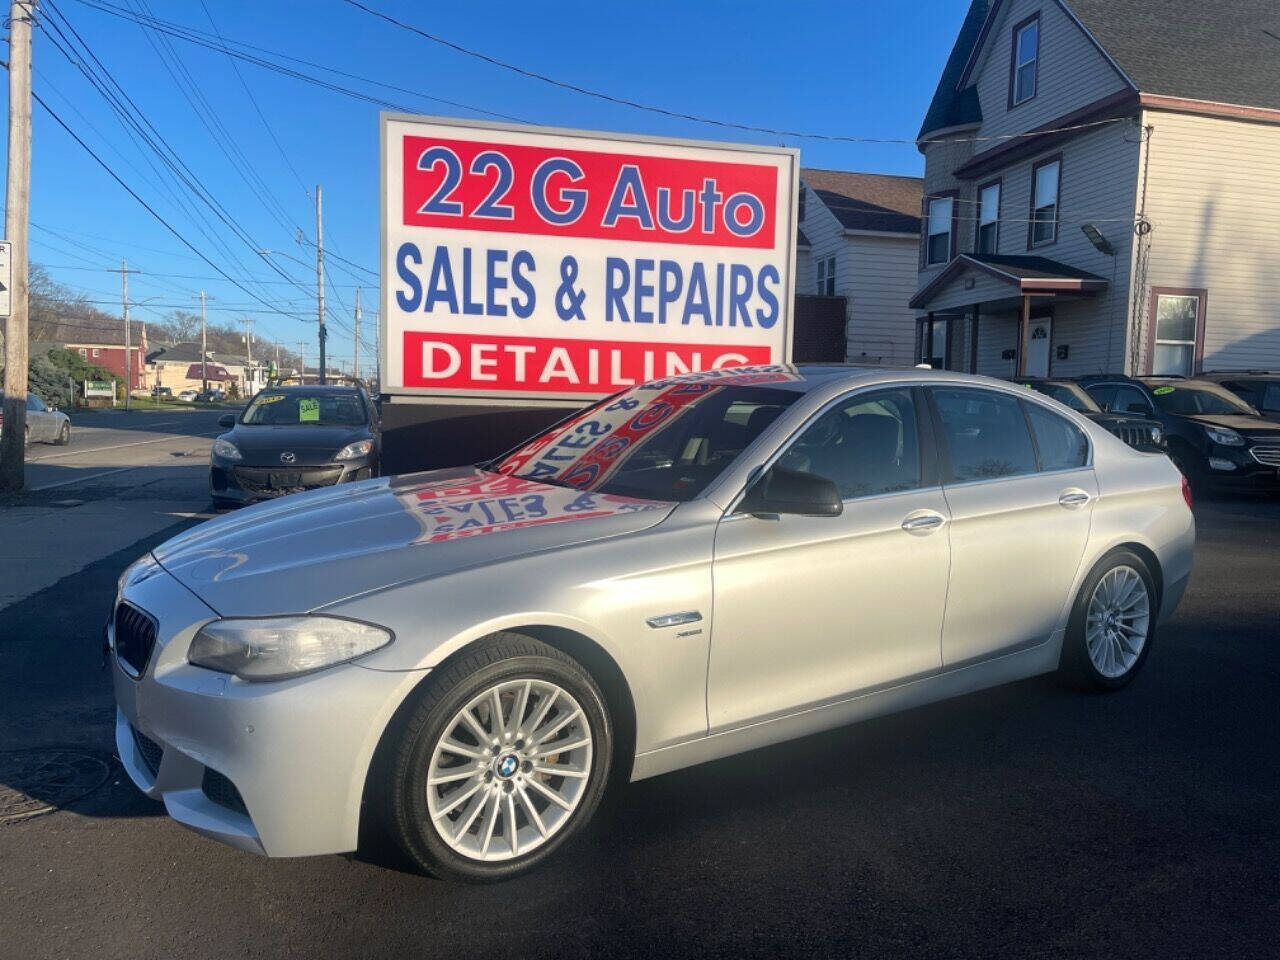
[538, 263]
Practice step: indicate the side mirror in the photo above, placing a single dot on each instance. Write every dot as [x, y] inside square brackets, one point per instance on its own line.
[793, 492]
[227, 420]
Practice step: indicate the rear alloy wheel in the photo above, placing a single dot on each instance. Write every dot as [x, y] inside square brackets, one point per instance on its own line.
[1113, 623]
[504, 757]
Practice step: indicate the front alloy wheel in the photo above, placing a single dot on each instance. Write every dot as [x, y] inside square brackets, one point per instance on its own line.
[510, 769]
[499, 758]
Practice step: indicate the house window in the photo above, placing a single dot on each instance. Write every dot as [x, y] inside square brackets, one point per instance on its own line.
[96, 353]
[1177, 317]
[1026, 60]
[83, 353]
[827, 277]
[1045, 178]
[934, 338]
[988, 218]
[941, 213]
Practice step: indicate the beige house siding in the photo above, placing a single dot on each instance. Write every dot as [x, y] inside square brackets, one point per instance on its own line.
[1072, 71]
[954, 296]
[881, 277]
[806, 279]
[1213, 200]
[826, 239]
[939, 160]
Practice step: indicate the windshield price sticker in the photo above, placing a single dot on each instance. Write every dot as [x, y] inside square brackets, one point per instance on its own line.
[308, 410]
[1162, 391]
[534, 262]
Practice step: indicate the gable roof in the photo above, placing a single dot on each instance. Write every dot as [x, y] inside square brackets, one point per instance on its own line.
[1219, 52]
[1227, 51]
[952, 107]
[1026, 274]
[868, 201]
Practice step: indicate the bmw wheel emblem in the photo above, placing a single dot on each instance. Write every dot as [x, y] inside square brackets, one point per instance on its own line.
[507, 765]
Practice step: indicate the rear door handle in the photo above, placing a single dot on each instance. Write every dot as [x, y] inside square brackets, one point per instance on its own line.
[1073, 498]
[923, 523]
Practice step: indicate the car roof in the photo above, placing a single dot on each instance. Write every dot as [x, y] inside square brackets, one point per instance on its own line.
[325, 390]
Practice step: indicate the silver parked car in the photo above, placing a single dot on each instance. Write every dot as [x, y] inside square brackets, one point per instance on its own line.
[45, 424]
[689, 569]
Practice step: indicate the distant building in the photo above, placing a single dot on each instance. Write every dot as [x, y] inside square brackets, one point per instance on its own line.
[100, 342]
[180, 366]
[858, 239]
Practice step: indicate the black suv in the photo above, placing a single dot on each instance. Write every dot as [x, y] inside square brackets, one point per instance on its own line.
[1139, 432]
[1258, 388]
[1212, 435]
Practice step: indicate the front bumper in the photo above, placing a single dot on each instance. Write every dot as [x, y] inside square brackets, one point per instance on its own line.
[272, 768]
[1248, 470]
[247, 484]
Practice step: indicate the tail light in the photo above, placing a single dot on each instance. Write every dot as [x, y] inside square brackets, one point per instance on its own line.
[1186, 492]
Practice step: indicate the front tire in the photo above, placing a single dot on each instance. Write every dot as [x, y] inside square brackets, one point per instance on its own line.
[502, 758]
[1112, 624]
[64, 435]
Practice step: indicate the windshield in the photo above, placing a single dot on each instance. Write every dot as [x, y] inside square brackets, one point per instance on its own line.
[1074, 397]
[660, 441]
[276, 408]
[1201, 398]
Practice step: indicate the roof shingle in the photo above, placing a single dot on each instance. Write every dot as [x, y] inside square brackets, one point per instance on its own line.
[868, 201]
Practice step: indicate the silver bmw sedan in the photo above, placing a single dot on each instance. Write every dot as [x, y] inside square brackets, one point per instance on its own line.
[691, 568]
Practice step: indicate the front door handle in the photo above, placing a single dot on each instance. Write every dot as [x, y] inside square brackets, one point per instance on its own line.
[923, 523]
[1073, 498]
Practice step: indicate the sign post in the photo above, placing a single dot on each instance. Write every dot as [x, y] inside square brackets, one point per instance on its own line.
[534, 265]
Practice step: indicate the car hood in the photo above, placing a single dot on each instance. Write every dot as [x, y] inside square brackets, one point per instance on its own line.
[314, 549]
[1241, 423]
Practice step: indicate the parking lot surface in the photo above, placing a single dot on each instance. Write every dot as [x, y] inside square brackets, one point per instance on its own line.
[1028, 820]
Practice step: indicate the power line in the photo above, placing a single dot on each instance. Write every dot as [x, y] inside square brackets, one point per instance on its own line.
[201, 39]
[151, 210]
[677, 115]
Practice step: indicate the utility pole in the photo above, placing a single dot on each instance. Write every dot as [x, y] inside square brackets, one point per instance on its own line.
[124, 272]
[204, 350]
[17, 212]
[320, 274]
[355, 363]
[302, 361]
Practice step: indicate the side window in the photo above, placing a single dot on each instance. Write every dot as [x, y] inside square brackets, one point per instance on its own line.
[1104, 395]
[1271, 398]
[1060, 443]
[986, 434]
[866, 446]
[1131, 400]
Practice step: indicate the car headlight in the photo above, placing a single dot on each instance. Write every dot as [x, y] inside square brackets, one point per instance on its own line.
[1157, 435]
[279, 647]
[352, 451]
[1224, 436]
[226, 450]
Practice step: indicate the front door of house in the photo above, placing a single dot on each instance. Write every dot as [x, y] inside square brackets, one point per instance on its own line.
[1038, 341]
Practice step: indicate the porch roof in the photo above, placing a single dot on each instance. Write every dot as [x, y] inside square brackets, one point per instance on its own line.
[1027, 275]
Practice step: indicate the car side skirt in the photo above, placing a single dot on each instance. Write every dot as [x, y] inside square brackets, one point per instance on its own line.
[955, 682]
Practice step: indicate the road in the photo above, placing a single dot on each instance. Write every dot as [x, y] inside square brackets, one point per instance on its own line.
[1029, 820]
[122, 477]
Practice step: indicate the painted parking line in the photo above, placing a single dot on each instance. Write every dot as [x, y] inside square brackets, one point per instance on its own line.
[109, 473]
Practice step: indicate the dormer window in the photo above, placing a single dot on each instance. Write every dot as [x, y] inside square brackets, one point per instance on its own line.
[1026, 60]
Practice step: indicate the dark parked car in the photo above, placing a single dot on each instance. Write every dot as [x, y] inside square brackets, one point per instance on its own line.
[1212, 435]
[290, 439]
[1258, 388]
[1139, 432]
[165, 392]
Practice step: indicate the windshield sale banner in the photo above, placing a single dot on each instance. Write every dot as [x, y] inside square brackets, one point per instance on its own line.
[527, 262]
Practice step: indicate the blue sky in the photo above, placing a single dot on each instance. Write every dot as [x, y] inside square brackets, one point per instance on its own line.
[851, 68]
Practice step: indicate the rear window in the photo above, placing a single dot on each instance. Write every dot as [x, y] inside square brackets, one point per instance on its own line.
[293, 409]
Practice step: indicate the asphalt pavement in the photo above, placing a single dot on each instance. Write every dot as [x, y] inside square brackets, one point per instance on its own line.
[1028, 820]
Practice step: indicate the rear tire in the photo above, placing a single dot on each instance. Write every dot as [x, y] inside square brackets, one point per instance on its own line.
[1113, 623]
[474, 800]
